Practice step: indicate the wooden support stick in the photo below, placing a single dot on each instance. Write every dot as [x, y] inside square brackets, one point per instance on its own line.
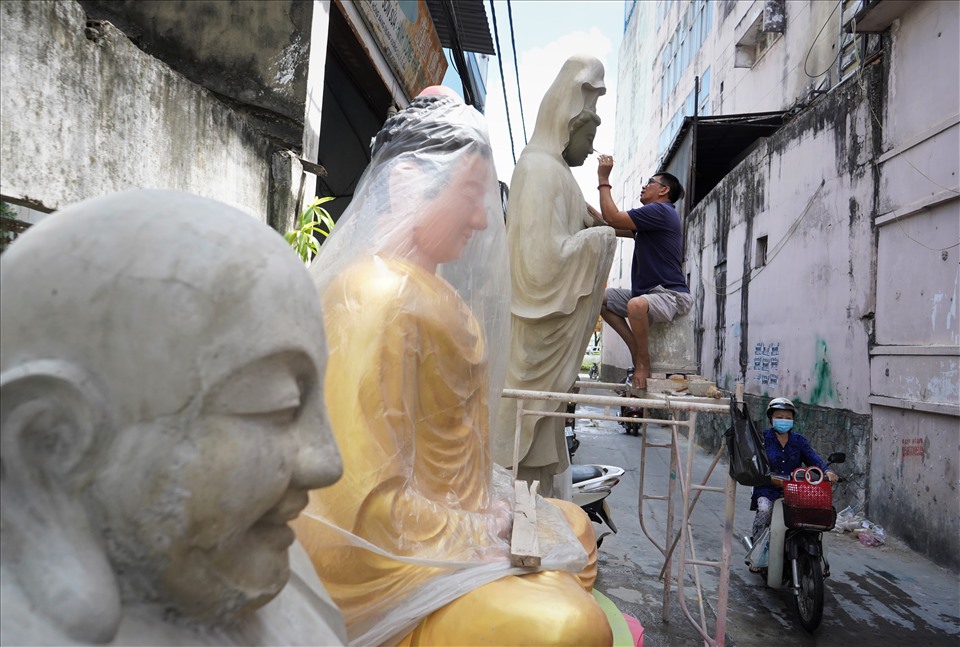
[525, 542]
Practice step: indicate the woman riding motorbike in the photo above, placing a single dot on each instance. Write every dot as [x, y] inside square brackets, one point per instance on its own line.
[787, 450]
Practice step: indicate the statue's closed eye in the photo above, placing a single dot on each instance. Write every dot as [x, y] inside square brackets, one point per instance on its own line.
[270, 386]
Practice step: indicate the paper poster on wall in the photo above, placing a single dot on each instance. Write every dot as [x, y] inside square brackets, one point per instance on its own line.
[766, 363]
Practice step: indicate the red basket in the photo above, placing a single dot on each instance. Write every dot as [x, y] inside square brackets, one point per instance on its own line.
[800, 494]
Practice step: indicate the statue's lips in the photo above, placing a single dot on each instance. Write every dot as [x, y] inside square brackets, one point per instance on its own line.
[278, 535]
[274, 524]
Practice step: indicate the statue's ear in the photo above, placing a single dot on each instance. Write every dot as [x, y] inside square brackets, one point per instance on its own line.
[53, 424]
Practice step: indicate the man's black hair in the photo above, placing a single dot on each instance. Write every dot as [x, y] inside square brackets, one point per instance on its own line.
[672, 183]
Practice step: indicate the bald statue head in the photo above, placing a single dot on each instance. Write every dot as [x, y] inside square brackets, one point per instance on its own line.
[162, 419]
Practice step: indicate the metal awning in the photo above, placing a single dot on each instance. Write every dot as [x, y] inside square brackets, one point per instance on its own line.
[472, 26]
[722, 143]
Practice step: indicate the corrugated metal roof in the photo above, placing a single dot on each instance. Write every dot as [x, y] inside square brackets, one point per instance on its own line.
[470, 18]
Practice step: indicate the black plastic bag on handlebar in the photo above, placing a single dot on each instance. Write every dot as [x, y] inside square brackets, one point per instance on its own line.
[749, 464]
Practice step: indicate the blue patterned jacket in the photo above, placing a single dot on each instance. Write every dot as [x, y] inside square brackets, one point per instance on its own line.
[783, 460]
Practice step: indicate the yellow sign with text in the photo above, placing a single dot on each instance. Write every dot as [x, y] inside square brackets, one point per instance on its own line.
[408, 40]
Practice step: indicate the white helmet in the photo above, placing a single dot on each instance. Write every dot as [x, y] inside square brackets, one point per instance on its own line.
[780, 403]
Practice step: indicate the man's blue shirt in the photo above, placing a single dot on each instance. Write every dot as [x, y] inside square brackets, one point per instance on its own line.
[658, 249]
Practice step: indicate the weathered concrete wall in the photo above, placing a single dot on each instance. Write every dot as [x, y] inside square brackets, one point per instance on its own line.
[82, 116]
[793, 324]
[797, 324]
[780, 78]
[915, 363]
[854, 314]
[786, 70]
[255, 53]
[913, 480]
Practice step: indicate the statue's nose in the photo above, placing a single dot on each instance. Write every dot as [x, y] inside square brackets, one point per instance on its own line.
[318, 461]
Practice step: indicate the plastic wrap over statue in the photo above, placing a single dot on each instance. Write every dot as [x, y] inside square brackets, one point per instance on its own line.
[162, 423]
[414, 283]
[559, 268]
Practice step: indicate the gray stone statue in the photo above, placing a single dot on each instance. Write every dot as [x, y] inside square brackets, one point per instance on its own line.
[559, 267]
[162, 423]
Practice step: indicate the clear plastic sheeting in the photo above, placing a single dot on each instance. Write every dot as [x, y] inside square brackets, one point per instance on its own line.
[415, 288]
[422, 584]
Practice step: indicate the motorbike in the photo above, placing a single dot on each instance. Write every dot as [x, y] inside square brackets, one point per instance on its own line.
[592, 485]
[632, 428]
[594, 371]
[790, 551]
[572, 442]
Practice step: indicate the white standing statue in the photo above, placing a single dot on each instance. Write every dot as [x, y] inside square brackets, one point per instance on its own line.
[162, 423]
[559, 267]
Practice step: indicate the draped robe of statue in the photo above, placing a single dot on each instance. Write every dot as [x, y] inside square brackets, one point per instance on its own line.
[559, 269]
[409, 543]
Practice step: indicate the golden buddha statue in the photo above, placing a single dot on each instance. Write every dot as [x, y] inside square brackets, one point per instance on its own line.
[413, 542]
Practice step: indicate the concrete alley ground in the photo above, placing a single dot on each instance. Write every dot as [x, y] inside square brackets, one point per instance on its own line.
[885, 595]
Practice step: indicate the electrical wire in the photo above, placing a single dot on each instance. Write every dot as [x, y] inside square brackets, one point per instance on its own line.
[813, 44]
[456, 46]
[513, 44]
[503, 81]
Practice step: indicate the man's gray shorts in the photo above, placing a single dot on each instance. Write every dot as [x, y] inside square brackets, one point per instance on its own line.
[664, 305]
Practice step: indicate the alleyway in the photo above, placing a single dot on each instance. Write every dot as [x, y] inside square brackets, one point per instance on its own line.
[884, 595]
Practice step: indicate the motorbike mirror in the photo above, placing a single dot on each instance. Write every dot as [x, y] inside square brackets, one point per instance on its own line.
[836, 457]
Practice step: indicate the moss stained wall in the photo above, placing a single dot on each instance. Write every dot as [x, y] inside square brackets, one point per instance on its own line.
[85, 112]
[253, 54]
[796, 323]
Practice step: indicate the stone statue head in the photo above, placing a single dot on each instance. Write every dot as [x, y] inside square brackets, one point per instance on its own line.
[583, 130]
[569, 103]
[162, 419]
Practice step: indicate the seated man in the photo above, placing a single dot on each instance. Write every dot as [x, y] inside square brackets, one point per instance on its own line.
[413, 543]
[658, 290]
[162, 423]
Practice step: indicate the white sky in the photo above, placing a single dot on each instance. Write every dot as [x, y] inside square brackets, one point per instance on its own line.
[547, 32]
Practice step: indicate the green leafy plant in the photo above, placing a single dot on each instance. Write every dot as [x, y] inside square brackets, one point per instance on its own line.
[7, 235]
[314, 220]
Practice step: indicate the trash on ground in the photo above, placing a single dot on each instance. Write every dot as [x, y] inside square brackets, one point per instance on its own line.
[851, 520]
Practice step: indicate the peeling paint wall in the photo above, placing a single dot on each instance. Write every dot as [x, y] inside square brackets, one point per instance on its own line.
[858, 201]
[914, 481]
[84, 113]
[809, 296]
[255, 53]
[793, 324]
[915, 361]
